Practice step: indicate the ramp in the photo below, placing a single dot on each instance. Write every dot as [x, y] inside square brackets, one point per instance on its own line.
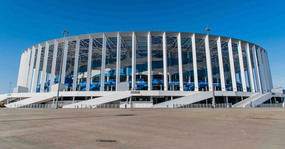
[100, 100]
[253, 101]
[189, 99]
[35, 99]
[3, 97]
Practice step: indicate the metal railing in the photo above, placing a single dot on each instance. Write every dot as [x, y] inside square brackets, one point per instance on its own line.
[271, 105]
[218, 105]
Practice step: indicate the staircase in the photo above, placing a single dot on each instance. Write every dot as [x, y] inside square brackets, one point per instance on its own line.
[253, 101]
[189, 99]
[100, 100]
[35, 99]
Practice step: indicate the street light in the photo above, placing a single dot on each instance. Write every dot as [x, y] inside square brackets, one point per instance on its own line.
[207, 29]
[9, 93]
[64, 32]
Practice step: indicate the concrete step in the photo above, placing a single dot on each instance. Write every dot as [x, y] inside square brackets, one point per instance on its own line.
[36, 98]
[100, 100]
[189, 99]
[253, 101]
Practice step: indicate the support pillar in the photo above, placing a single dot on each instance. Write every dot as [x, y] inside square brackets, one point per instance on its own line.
[118, 66]
[231, 57]
[31, 69]
[195, 69]
[244, 88]
[209, 65]
[221, 64]
[36, 73]
[134, 50]
[164, 44]
[149, 61]
[90, 48]
[44, 72]
[64, 58]
[53, 63]
[261, 71]
[256, 70]
[102, 87]
[75, 72]
[251, 81]
[180, 64]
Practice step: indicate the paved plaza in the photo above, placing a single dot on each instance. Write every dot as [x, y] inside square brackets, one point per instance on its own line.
[259, 128]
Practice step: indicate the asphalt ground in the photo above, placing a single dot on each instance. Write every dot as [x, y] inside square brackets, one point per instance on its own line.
[258, 128]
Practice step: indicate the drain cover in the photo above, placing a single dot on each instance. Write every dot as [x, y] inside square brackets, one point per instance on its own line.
[105, 140]
[125, 115]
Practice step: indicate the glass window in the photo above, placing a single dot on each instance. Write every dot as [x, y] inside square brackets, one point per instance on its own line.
[172, 64]
[187, 64]
[111, 61]
[82, 65]
[227, 67]
[201, 65]
[96, 63]
[157, 63]
[215, 65]
[141, 63]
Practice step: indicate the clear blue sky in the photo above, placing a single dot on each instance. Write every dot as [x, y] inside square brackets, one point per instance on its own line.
[28, 22]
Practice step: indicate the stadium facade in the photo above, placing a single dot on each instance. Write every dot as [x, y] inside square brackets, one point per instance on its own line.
[144, 69]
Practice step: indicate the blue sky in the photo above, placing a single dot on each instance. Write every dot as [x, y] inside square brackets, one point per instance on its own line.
[28, 22]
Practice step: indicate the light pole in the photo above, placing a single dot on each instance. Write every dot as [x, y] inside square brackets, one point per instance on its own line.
[64, 32]
[9, 93]
[207, 29]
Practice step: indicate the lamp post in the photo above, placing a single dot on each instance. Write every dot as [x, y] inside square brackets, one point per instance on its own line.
[207, 29]
[64, 32]
[9, 93]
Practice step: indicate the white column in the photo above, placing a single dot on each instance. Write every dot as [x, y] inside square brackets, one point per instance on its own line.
[63, 70]
[118, 66]
[44, 72]
[209, 65]
[233, 74]
[270, 76]
[134, 49]
[103, 64]
[36, 74]
[149, 61]
[164, 44]
[21, 70]
[29, 52]
[25, 70]
[261, 71]
[180, 64]
[195, 69]
[241, 67]
[266, 79]
[54, 57]
[89, 63]
[251, 81]
[256, 69]
[31, 69]
[268, 71]
[75, 72]
[221, 64]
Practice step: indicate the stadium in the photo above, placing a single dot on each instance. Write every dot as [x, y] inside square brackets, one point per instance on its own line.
[144, 69]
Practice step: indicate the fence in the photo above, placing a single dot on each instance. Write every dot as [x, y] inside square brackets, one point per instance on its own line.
[218, 105]
[271, 105]
[61, 105]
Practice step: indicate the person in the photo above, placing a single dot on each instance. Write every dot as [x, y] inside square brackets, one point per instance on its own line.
[125, 106]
